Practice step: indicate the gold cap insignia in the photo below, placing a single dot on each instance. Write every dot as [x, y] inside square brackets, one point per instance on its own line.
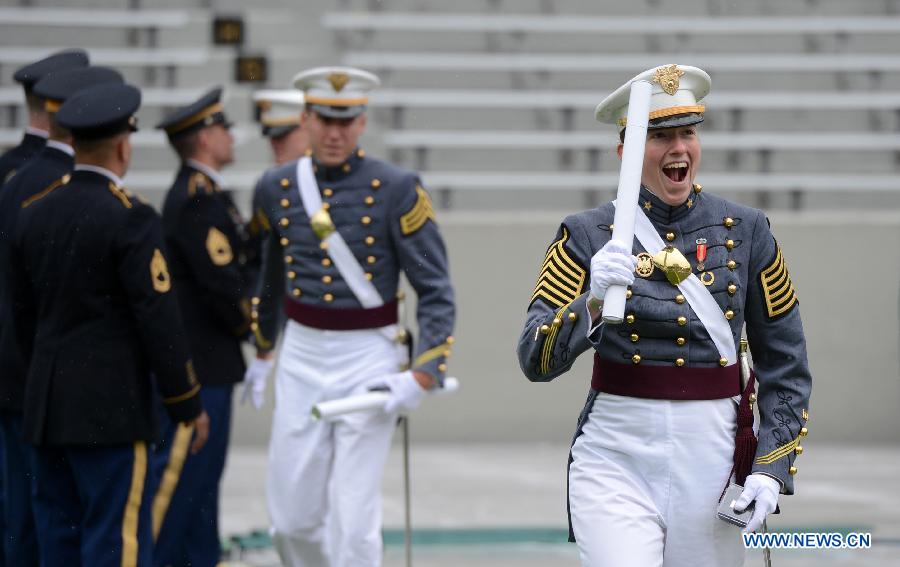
[338, 81]
[669, 78]
[673, 263]
[322, 224]
[159, 272]
[218, 247]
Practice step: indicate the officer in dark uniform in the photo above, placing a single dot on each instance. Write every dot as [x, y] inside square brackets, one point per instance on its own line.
[206, 239]
[51, 167]
[38, 124]
[100, 327]
[658, 439]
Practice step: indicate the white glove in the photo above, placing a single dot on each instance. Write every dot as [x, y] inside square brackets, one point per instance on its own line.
[406, 393]
[611, 265]
[255, 381]
[764, 490]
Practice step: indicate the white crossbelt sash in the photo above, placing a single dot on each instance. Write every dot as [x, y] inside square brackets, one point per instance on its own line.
[696, 294]
[343, 258]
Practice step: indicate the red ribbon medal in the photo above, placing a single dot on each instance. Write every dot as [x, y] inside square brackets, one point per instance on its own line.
[701, 254]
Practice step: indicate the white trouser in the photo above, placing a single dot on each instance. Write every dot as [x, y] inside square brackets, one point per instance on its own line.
[324, 479]
[645, 481]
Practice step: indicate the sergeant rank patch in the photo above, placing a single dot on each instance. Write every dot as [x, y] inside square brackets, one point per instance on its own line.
[417, 216]
[561, 277]
[159, 272]
[218, 247]
[777, 287]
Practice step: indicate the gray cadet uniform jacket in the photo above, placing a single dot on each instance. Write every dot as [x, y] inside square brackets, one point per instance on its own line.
[387, 220]
[752, 286]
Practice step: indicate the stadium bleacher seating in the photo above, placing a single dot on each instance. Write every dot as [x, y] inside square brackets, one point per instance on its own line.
[497, 95]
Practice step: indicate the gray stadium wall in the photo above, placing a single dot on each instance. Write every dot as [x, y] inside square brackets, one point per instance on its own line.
[845, 266]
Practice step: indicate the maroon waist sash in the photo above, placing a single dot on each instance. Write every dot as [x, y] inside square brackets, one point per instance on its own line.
[666, 382]
[331, 319]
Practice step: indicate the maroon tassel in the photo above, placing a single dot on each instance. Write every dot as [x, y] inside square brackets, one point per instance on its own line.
[744, 440]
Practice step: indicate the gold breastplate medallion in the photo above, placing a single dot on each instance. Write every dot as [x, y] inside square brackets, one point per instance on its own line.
[673, 263]
[322, 224]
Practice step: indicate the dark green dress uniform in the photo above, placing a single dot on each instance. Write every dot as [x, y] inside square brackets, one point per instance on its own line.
[102, 334]
[206, 238]
[386, 218]
[662, 343]
[50, 167]
[28, 76]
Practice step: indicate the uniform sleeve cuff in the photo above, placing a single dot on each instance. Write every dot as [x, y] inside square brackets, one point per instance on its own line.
[594, 314]
[786, 484]
[185, 407]
[437, 369]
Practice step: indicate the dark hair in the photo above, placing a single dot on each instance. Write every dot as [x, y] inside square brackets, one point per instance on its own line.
[186, 144]
[57, 130]
[34, 103]
[92, 146]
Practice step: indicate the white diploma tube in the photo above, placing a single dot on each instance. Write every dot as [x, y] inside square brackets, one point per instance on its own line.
[629, 187]
[369, 401]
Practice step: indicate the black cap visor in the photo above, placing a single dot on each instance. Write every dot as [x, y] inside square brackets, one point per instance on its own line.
[675, 121]
[276, 132]
[340, 112]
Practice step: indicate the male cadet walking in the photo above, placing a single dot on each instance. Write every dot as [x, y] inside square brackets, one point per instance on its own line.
[279, 114]
[344, 226]
[38, 122]
[102, 327]
[51, 167]
[203, 235]
[655, 444]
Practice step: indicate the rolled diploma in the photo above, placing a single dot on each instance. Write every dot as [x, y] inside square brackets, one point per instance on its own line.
[629, 187]
[368, 401]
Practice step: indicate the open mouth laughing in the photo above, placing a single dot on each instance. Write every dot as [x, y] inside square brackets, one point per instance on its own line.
[676, 171]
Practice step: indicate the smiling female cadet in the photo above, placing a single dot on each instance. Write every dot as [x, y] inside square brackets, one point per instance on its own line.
[655, 443]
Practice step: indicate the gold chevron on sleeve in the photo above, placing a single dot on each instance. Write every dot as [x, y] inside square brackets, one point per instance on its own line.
[778, 453]
[778, 289]
[561, 278]
[417, 216]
